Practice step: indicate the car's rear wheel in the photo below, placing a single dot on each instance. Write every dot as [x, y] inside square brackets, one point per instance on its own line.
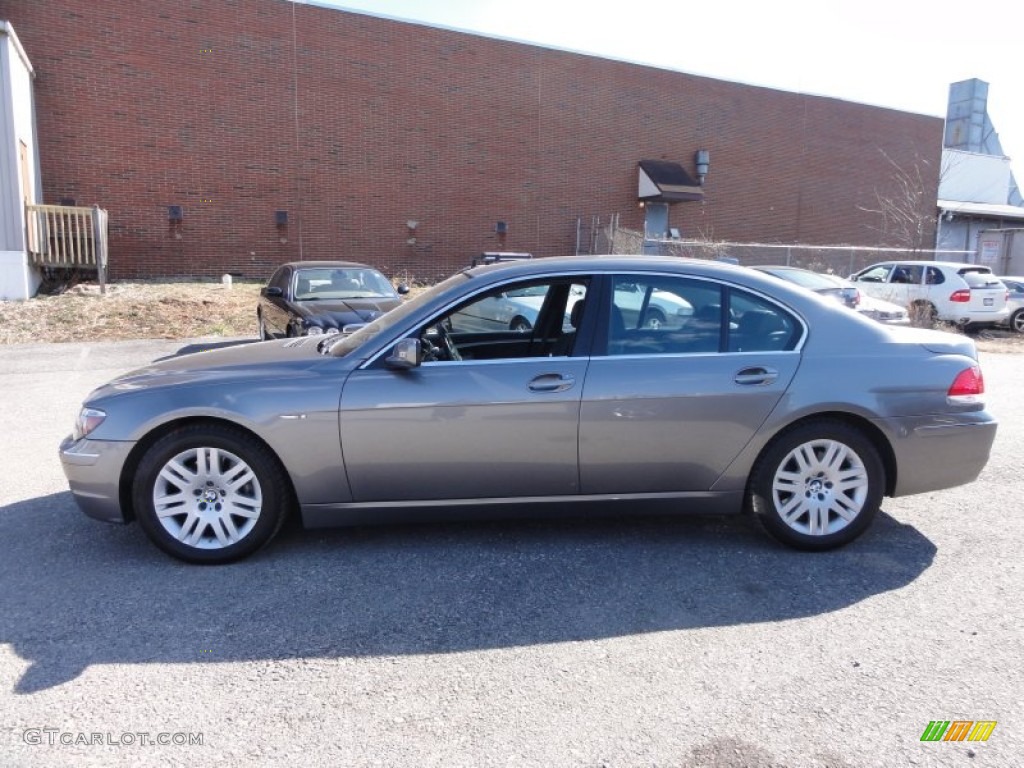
[210, 494]
[923, 314]
[520, 324]
[1017, 321]
[817, 486]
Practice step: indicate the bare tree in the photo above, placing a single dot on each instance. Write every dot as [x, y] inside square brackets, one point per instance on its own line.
[906, 206]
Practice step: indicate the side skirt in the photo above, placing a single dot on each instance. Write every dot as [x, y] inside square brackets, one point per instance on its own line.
[379, 513]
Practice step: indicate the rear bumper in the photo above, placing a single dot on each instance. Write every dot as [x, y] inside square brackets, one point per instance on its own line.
[978, 318]
[937, 452]
[93, 469]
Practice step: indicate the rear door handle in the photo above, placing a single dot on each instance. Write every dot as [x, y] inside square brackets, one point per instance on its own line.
[756, 375]
[551, 382]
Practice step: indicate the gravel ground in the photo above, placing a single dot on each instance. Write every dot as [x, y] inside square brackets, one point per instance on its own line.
[652, 642]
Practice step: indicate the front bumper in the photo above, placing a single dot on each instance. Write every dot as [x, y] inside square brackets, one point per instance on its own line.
[93, 469]
[937, 452]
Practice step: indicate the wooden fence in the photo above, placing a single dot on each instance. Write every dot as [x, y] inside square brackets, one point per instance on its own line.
[68, 237]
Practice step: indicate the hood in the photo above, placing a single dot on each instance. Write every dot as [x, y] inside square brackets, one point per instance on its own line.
[288, 358]
[337, 313]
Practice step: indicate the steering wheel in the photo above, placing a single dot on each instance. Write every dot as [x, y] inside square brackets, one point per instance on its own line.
[446, 342]
[432, 352]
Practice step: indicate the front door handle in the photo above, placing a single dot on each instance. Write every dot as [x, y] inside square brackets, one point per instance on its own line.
[551, 382]
[756, 375]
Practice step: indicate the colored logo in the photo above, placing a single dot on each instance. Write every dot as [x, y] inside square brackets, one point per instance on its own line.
[958, 730]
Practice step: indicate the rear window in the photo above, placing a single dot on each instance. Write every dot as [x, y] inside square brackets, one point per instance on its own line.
[979, 278]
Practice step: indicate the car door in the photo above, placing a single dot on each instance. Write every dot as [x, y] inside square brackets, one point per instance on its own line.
[502, 423]
[906, 284]
[874, 280]
[667, 409]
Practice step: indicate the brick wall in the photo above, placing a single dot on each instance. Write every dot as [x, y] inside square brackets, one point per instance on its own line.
[354, 125]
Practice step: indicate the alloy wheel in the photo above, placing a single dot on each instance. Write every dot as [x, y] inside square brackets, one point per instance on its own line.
[207, 498]
[820, 487]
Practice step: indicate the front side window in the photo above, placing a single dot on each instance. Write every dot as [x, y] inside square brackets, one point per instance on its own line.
[538, 318]
[280, 278]
[875, 274]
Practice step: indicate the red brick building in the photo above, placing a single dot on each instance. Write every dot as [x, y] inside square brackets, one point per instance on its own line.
[354, 126]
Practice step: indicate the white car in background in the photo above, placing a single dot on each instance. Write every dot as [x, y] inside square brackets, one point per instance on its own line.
[962, 294]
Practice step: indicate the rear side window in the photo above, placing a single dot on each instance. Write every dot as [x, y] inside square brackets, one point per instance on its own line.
[909, 274]
[660, 315]
[757, 325]
[934, 276]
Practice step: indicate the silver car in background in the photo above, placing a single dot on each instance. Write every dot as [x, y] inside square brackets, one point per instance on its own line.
[843, 291]
[1015, 302]
[762, 398]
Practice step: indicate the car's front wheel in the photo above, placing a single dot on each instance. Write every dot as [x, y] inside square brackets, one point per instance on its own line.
[210, 494]
[261, 327]
[817, 486]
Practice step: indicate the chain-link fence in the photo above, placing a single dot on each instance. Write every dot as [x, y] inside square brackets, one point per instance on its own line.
[840, 260]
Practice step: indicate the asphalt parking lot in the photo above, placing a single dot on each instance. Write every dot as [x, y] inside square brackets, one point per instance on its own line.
[683, 642]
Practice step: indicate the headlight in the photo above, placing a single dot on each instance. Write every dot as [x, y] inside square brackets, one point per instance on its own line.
[88, 419]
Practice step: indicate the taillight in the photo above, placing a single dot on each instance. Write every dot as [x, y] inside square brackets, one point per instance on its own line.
[967, 387]
[856, 297]
[963, 295]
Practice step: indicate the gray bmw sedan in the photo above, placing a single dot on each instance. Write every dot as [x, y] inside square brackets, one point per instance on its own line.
[764, 399]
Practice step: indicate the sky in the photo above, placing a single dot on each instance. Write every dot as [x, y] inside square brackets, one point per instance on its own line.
[901, 54]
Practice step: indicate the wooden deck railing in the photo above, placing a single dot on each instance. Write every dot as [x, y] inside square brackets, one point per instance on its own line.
[67, 236]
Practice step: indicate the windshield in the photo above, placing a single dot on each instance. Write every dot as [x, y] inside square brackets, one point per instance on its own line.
[342, 345]
[313, 284]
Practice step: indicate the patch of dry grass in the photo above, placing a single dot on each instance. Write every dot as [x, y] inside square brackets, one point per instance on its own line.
[149, 310]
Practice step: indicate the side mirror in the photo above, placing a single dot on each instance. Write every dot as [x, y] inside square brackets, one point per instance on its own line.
[402, 289]
[273, 290]
[406, 354]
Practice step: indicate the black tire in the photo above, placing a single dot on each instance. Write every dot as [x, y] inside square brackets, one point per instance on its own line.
[520, 324]
[813, 500]
[923, 314]
[654, 319]
[225, 518]
[261, 327]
